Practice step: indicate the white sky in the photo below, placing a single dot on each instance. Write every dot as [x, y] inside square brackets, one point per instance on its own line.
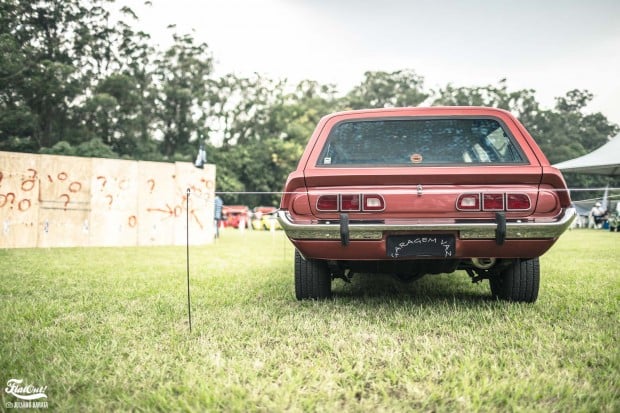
[550, 46]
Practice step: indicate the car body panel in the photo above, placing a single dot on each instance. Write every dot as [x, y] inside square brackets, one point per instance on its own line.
[423, 198]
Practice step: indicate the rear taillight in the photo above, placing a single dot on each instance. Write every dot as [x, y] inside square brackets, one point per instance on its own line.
[328, 203]
[373, 203]
[518, 202]
[350, 203]
[492, 201]
[468, 202]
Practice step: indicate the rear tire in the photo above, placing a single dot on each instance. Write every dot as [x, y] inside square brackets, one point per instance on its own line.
[312, 278]
[519, 282]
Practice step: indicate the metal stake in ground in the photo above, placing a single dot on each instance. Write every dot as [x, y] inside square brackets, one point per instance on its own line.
[189, 307]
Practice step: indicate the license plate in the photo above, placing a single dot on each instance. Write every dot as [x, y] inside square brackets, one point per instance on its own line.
[439, 246]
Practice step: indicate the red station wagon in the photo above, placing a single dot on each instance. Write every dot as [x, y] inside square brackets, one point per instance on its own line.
[414, 191]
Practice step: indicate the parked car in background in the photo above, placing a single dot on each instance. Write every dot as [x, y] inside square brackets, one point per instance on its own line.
[264, 217]
[414, 191]
[235, 216]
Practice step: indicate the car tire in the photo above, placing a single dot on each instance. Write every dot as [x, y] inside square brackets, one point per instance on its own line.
[312, 278]
[518, 282]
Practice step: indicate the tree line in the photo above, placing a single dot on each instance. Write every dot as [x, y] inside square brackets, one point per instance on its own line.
[76, 81]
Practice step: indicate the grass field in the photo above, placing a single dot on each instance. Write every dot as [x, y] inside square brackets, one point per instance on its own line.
[105, 329]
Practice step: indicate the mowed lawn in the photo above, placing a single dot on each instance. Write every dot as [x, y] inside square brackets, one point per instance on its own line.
[106, 329]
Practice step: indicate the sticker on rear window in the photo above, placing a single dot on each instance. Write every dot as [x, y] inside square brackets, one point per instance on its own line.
[327, 161]
[416, 158]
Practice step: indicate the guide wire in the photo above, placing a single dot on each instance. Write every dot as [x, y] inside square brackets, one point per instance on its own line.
[208, 197]
[189, 307]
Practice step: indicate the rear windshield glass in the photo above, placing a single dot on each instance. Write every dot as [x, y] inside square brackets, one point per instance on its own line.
[419, 142]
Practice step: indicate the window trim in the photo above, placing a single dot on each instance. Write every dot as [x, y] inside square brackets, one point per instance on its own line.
[515, 142]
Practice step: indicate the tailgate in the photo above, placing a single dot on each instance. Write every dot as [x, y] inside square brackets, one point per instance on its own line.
[431, 192]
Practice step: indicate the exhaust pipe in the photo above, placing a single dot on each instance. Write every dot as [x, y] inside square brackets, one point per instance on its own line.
[483, 263]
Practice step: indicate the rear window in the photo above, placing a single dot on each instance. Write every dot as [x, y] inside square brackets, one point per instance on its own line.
[421, 142]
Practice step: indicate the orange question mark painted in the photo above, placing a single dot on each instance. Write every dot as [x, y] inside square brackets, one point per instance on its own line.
[67, 201]
[6, 199]
[111, 199]
[151, 183]
[103, 181]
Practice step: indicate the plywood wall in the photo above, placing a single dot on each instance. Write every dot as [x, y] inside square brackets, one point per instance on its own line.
[61, 201]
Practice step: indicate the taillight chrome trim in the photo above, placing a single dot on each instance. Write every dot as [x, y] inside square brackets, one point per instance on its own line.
[458, 199]
[481, 195]
[503, 207]
[363, 200]
[341, 204]
[328, 210]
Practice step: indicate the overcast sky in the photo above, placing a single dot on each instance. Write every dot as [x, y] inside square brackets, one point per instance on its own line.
[549, 46]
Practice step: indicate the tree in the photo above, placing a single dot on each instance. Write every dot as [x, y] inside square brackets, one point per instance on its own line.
[521, 103]
[383, 89]
[182, 75]
[53, 50]
[241, 108]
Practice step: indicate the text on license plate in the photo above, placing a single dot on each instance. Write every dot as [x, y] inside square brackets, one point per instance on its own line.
[417, 245]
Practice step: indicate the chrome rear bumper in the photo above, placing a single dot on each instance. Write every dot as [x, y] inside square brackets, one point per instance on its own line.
[547, 229]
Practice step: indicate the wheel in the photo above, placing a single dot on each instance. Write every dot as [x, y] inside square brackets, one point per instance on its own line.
[518, 282]
[312, 278]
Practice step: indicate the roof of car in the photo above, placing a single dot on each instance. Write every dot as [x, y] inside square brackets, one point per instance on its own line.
[422, 111]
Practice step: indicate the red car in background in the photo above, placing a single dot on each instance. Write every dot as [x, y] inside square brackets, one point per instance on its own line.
[233, 215]
[414, 191]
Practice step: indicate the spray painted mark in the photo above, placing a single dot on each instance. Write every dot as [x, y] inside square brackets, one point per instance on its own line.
[75, 186]
[151, 183]
[67, 201]
[28, 184]
[170, 211]
[24, 205]
[193, 212]
[103, 181]
[4, 199]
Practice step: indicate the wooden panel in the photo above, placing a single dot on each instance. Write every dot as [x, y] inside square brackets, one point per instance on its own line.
[114, 203]
[61, 201]
[155, 209]
[201, 183]
[19, 204]
[64, 201]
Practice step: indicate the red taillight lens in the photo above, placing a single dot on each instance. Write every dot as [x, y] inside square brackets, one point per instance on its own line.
[327, 203]
[373, 203]
[468, 202]
[493, 202]
[349, 202]
[518, 202]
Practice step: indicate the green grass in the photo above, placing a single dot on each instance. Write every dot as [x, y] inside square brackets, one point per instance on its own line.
[106, 330]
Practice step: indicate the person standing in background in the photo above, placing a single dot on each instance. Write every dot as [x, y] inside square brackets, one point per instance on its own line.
[217, 214]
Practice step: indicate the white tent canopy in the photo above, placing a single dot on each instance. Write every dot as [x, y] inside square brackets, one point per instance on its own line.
[602, 161]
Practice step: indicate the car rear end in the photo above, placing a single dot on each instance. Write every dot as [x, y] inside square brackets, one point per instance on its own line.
[454, 186]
